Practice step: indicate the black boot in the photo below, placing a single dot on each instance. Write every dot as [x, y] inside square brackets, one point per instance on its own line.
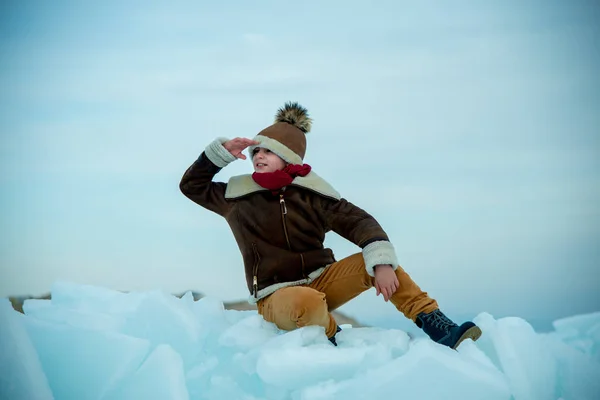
[442, 330]
[332, 339]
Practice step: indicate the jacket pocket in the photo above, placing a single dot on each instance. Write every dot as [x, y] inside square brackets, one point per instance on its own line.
[304, 274]
[255, 270]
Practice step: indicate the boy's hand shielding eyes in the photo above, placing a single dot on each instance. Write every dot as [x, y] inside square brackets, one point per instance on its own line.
[237, 145]
[386, 281]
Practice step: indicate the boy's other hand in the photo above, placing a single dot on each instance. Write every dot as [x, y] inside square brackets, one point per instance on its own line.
[386, 281]
[237, 145]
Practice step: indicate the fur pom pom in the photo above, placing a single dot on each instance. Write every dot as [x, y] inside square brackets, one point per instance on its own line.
[294, 114]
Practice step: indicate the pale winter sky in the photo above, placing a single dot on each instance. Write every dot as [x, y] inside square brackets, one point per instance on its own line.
[470, 130]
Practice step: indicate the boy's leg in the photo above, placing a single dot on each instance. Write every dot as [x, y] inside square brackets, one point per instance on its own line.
[297, 306]
[347, 278]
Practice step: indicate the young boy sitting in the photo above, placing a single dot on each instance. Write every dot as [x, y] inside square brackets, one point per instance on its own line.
[279, 216]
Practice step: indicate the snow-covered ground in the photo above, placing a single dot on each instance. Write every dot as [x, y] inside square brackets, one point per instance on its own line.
[94, 343]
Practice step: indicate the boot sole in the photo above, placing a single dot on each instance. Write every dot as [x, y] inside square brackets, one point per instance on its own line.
[472, 333]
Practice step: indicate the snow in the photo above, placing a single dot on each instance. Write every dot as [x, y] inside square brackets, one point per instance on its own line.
[94, 343]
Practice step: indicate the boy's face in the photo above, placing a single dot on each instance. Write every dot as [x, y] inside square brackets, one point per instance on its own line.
[266, 161]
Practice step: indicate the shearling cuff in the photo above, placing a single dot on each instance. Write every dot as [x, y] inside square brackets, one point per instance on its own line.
[380, 252]
[218, 154]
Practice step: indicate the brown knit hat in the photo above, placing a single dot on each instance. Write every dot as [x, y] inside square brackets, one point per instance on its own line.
[287, 136]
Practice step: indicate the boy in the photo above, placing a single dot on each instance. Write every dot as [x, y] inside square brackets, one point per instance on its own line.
[279, 216]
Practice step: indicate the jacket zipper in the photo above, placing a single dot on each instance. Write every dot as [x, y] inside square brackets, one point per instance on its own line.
[255, 270]
[287, 237]
[283, 214]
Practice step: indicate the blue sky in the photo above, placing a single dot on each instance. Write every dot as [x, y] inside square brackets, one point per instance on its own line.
[470, 130]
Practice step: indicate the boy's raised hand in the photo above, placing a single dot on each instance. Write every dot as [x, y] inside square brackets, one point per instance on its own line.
[386, 281]
[237, 145]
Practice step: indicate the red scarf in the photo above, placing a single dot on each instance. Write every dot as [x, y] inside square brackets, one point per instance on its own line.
[280, 178]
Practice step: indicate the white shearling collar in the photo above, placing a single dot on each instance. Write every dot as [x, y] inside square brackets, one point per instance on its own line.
[242, 185]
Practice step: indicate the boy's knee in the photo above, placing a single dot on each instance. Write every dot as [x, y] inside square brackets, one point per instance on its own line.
[307, 300]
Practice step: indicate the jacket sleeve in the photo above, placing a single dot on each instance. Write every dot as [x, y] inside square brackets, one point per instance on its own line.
[359, 227]
[197, 185]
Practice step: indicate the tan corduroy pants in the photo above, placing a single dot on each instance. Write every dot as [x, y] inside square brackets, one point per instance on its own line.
[297, 306]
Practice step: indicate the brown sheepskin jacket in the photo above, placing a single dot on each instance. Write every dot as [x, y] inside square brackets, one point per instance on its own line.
[281, 235]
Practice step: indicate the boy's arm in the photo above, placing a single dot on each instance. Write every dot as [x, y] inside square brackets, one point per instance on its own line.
[359, 227]
[196, 183]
